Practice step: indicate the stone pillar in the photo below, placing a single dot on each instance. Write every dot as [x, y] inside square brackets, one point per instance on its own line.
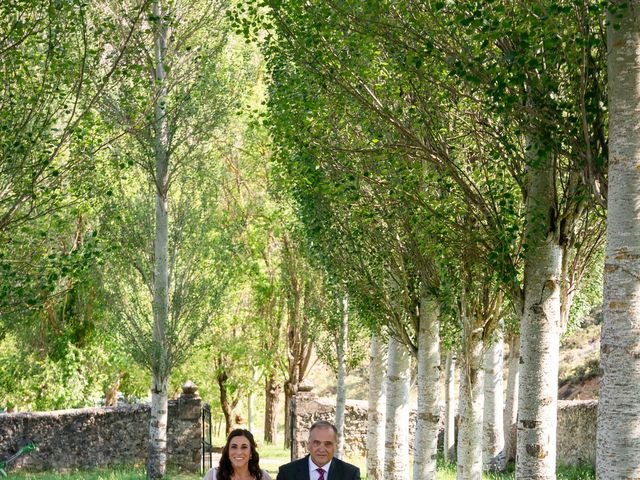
[186, 430]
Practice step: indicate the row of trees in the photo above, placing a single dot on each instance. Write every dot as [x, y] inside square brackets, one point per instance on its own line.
[448, 164]
[449, 161]
[136, 216]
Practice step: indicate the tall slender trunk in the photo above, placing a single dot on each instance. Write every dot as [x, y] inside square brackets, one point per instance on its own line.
[449, 408]
[540, 342]
[157, 447]
[428, 414]
[396, 453]
[225, 401]
[341, 393]
[618, 450]
[290, 391]
[511, 406]
[272, 391]
[471, 402]
[376, 410]
[157, 451]
[493, 435]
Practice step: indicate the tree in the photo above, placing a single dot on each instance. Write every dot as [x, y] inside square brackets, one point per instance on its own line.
[165, 114]
[618, 410]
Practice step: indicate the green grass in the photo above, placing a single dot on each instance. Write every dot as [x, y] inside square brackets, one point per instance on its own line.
[448, 472]
[271, 457]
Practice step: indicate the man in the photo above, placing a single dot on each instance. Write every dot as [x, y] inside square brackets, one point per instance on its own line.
[320, 464]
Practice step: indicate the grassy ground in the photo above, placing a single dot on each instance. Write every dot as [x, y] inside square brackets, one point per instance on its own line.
[445, 472]
[271, 457]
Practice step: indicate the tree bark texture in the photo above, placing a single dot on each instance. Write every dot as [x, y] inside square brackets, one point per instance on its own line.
[396, 444]
[540, 342]
[511, 406]
[618, 448]
[157, 456]
[471, 403]
[376, 409]
[272, 392]
[341, 391]
[493, 435]
[157, 447]
[449, 408]
[428, 412]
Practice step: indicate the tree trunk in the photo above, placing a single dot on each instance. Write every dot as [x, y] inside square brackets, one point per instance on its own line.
[428, 414]
[157, 451]
[449, 409]
[341, 393]
[471, 402]
[271, 398]
[290, 391]
[493, 436]
[225, 403]
[511, 407]
[618, 449]
[539, 348]
[396, 454]
[376, 410]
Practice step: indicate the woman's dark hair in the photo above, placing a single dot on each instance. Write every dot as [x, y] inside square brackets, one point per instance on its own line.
[225, 469]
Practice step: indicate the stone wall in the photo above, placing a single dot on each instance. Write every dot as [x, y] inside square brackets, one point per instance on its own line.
[311, 408]
[95, 437]
[576, 435]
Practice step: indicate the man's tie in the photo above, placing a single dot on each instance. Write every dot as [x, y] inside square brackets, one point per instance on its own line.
[321, 473]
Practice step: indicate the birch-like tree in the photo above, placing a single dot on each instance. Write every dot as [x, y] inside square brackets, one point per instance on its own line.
[396, 452]
[493, 425]
[377, 397]
[163, 107]
[618, 454]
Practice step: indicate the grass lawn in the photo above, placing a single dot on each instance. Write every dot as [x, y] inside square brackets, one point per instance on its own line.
[271, 457]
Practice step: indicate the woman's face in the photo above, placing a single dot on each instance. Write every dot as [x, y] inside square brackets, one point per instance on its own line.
[239, 451]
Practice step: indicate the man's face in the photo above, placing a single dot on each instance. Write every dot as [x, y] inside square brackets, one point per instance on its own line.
[322, 445]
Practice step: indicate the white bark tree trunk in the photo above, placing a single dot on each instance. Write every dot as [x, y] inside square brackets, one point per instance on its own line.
[157, 447]
[493, 435]
[341, 393]
[376, 409]
[511, 405]
[471, 403]
[396, 454]
[449, 408]
[540, 342]
[618, 448]
[428, 414]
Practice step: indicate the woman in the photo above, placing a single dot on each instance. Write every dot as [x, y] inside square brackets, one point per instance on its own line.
[239, 460]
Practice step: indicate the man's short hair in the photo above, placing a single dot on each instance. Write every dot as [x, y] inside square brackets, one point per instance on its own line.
[324, 424]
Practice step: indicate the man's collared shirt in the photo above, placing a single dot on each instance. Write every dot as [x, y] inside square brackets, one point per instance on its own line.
[313, 470]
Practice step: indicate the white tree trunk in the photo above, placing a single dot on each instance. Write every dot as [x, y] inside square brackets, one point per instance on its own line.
[511, 405]
[618, 448]
[376, 410]
[539, 332]
[493, 436]
[449, 408]
[428, 414]
[341, 393]
[396, 454]
[157, 449]
[471, 403]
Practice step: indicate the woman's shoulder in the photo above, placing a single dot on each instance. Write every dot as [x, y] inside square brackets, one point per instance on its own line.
[265, 475]
[211, 474]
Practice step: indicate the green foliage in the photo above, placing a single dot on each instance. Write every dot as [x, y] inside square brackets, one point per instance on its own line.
[31, 382]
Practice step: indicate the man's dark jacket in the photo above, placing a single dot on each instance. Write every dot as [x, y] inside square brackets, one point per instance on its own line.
[299, 470]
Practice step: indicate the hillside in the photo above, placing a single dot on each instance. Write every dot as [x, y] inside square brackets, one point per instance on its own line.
[580, 361]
